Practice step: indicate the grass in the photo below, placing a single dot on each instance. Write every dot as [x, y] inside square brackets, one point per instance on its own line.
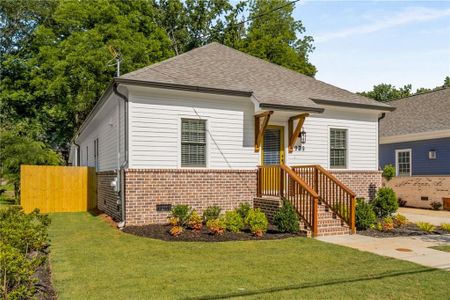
[92, 260]
[445, 248]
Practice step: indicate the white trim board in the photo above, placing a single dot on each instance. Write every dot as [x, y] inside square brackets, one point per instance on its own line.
[415, 137]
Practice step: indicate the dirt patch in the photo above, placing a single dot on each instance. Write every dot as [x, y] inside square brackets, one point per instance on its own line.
[406, 230]
[44, 288]
[161, 232]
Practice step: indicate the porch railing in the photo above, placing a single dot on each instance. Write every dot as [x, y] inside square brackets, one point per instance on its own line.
[282, 181]
[335, 195]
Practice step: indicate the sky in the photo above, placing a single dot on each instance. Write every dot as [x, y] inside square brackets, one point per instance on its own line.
[359, 44]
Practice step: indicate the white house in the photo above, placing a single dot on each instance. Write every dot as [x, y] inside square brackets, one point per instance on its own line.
[193, 129]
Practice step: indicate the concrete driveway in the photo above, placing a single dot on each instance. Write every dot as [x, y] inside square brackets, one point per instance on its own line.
[435, 217]
[415, 249]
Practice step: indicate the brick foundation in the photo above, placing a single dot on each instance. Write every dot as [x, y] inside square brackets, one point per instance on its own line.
[364, 183]
[107, 198]
[268, 205]
[199, 188]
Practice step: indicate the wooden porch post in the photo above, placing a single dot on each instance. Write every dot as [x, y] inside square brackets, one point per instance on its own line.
[316, 215]
[352, 214]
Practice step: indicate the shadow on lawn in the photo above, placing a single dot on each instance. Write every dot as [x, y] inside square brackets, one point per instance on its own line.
[313, 284]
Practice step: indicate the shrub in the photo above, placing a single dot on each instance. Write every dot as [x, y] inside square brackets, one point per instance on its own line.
[385, 202]
[174, 221]
[400, 220]
[195, 221]
[389, 172]
[181, 212]
[425, 226]
[176, 230]
[286, 218]
[387, 224]
[257, 221]
[341, 209]
[436, 205]
[445, 226]
[211, 213]
[216, 226]
[364, 215]
[233, 221]
[243, 210]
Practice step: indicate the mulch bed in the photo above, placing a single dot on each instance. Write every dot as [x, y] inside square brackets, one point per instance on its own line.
[405, 230]
[161, 232]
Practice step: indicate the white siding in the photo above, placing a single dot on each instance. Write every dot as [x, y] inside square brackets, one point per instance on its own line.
[104, 126]
[155, 128]
[362, 139]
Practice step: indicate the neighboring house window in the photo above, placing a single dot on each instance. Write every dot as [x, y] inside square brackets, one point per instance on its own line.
[96, 153]
[338, 148]
[403, 162]
[193, 143]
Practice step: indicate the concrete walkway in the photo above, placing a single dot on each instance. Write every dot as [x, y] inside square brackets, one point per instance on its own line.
[435, 217]
[415, 249]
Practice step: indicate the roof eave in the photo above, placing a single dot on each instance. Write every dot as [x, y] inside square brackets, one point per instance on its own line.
[291, 107]
[183, 87]
[354, 105]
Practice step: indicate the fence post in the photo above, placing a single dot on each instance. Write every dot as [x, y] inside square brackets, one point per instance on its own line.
[258, 182]
[315, 213]
[316, 180]
[281, 182]
[352, 214]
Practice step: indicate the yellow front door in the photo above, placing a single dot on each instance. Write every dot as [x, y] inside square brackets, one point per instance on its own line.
[272, 152]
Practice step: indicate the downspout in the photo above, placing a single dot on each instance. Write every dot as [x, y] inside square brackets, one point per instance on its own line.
[379, 119]
[78, 153]
[125, 162]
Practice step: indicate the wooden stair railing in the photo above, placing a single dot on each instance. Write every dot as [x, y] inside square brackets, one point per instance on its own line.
[282, 181]
[333, 193]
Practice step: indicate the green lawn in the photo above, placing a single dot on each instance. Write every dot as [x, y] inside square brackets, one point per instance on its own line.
[445, 248]
[92, 260]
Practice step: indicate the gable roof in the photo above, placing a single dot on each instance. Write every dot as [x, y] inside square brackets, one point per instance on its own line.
[219, 67]
[418, 114]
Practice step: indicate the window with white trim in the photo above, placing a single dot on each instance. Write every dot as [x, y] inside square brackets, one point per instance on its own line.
[403, 162]
[338, 148]
[193, 143]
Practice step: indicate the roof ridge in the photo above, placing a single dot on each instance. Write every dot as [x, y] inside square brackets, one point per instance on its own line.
[437, 89]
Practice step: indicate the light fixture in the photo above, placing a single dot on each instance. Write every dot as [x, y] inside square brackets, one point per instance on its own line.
[432, 154]
[302, 136]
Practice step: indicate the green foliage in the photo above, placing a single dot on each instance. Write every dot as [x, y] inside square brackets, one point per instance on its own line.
[16, 150]
[211, 213]
[195, 221]
[243, 210]
[257, 222]
[385, 92]
[387, 224]
[364, 215]
[25, 232]
[233, 221]
[389, 171]
[399, 220]
[435, 205]
[20, 235]
[385, 202]
[286, 218]
[216, 226]
[445, 226]
[341, 209]
[425, 226]
[182, 213]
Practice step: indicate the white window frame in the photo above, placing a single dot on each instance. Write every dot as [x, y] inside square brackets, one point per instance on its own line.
[207, 133]
[347, 149]
[397, 151]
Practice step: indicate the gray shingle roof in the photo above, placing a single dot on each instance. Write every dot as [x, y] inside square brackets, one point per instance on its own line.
[220, 67]
[420, 113]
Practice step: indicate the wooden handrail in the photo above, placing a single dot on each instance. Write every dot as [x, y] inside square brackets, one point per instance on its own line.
[300, 181]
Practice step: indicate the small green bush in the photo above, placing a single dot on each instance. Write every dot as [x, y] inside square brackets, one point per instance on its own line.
[385, 202]
[286, 218]
[257, 221]
[211, 213]
[425, 226]
[389, 172]
[445, 226]
[216, 226]
[399, 220]
[243, 210]
[195, 221]
[364, 215]
[233, 221]
[436, 205]
[181, 212]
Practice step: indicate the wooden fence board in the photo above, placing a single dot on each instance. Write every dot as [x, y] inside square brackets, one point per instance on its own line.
[57, 188]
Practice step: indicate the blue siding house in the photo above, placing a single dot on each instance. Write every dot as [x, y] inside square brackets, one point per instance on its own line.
[415, 138]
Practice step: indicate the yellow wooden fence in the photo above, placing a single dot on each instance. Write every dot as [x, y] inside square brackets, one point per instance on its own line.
[57, 188]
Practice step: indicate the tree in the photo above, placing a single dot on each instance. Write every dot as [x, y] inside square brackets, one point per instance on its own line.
[386, 92]
[16, 150]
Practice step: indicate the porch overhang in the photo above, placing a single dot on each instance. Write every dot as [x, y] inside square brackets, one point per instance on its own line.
[283, 107]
